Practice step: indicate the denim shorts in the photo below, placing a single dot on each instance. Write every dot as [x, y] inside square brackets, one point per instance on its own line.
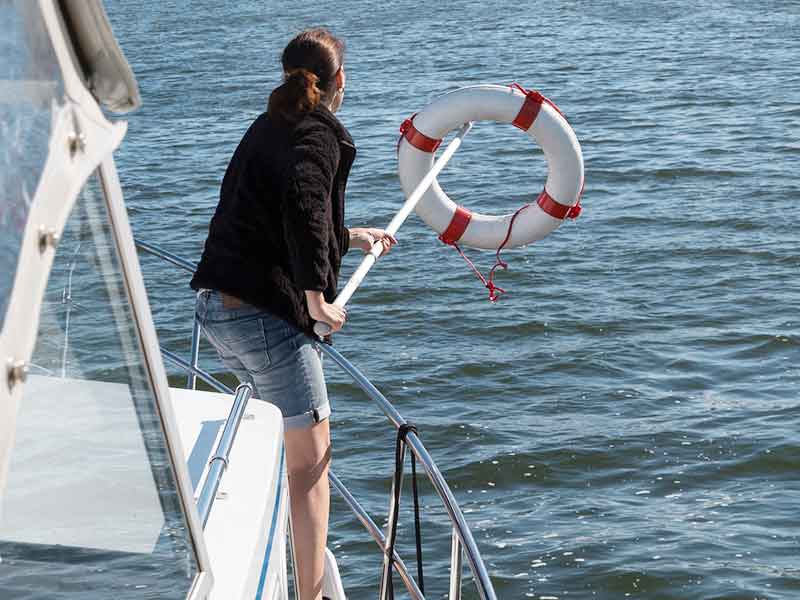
[283, 365]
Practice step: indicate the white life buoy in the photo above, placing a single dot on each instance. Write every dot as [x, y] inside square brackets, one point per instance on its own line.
[527, 110]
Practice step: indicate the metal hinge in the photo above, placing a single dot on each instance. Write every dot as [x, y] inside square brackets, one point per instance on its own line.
[16, 372]
[48, 238]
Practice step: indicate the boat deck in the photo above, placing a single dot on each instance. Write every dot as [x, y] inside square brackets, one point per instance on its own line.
[65, 494]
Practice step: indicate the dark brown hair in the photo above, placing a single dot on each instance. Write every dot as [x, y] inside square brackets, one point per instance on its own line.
[310, 62]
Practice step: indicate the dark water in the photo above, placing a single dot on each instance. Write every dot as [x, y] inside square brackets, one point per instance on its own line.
[624, 422]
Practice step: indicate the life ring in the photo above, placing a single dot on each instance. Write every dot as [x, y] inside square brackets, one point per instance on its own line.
[527, 110]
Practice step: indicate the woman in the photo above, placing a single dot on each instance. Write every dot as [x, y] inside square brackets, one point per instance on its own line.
[270, 266]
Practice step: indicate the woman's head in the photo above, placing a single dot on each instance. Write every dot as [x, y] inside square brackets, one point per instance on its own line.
[313, 66]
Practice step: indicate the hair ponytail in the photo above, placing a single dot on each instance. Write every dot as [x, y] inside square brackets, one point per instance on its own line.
[310, 63]
[297, 95]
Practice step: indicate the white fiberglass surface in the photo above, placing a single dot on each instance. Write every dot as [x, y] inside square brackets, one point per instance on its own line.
[30, 90]
[91, 503]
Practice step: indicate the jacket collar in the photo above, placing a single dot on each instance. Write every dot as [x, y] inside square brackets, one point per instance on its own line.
[323, 113]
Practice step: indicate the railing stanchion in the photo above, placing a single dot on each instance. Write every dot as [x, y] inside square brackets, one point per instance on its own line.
[456, 563]
[293, 556]
[219, 461]
[375, 532]
[191, 381]
[394, 506]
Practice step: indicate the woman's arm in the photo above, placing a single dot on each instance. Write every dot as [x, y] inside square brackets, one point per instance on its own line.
[306, 206]
[307, 219]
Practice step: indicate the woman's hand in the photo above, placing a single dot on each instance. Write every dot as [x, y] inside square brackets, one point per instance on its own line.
[323, 311]
[365, 237]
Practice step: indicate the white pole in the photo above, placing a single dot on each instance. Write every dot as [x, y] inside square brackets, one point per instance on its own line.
[357, 277]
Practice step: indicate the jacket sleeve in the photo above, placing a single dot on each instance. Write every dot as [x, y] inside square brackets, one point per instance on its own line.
[307, 219]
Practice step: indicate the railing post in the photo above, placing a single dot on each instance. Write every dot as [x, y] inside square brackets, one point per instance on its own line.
[191, 381]
[456, 561]
[413, 589]
[294, 559]
[394, 507]
[219, 461]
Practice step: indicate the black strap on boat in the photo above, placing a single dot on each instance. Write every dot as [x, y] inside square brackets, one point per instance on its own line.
[417, 528]
[402, 432]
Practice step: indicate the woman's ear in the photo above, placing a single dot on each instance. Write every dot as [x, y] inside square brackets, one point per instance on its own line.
[340, 78]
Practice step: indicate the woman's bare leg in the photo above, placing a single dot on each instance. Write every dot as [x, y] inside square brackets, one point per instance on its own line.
[308, 454]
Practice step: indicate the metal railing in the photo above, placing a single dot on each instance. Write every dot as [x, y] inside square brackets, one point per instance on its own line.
[463, 543]
[219, 461]
[461, 532]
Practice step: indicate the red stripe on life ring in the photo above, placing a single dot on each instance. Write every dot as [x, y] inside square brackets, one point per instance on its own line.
[530, 108]
[457, 227]
[416, 138]
[555, 209]
[529, 111]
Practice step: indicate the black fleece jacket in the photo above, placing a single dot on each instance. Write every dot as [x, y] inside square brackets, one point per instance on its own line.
[279, 226]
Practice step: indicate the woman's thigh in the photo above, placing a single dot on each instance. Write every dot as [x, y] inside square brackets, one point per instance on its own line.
[294, 380]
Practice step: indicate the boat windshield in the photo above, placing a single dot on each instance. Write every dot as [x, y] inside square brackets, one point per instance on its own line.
[31, 89]
[91, 502]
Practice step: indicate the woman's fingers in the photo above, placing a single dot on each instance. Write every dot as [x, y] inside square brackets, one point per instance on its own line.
[386, 239]
[337, 315]
[331, 314]
[367, 237]
[385, 235]
[341, 313]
